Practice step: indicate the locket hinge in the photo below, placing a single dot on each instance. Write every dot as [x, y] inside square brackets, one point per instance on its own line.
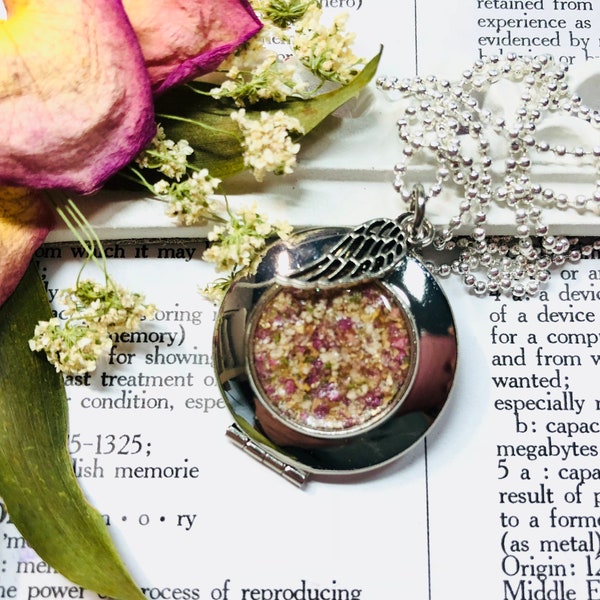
[241, 440]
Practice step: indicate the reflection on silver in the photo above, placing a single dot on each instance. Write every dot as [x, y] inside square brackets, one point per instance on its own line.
[412, 284]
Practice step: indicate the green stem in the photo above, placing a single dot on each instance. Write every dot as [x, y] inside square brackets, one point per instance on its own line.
[231, 215]
[139, 178]
[76, 221]
[199, 124]
[198, 90]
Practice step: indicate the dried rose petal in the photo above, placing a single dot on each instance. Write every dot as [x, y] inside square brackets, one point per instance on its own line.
[193, 40]
[25, 219]
[75, 100]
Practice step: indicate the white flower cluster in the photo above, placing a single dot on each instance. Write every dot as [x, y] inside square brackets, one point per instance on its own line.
[267, 144]
[237, 245]
[72, 349]
[189, 201]
[166, 156]
[292, 53]
[256, 72]
[326, 51]
[111, 306]
[188, 196]
[270, 80]
[93, 312]
[272, 65]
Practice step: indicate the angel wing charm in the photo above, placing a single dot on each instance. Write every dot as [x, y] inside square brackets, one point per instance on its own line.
[368, 252]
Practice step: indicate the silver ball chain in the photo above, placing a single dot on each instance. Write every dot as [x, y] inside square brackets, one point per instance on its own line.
[437, 123]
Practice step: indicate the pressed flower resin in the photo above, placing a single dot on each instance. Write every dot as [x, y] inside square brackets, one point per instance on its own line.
[332, 362]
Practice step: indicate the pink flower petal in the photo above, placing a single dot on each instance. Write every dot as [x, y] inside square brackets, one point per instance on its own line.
[184, 39]
[75, 100]
[25, 219]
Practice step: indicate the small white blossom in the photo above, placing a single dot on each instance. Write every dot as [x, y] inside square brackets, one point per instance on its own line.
[238, 244]
[189, 201]
[216, 290]
[109, 306]
[161, 187]
[93, 312]
[72, 349]
[267, 144]
[166, 156]
[255, 73]
[326, 50]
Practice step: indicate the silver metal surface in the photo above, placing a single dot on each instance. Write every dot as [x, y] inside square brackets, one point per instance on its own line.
[369, 251]
[430, 312]
[263, 455]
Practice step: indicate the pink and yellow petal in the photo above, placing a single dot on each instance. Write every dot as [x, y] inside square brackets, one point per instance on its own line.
[195, 38]
[25, 219]
[75, 100]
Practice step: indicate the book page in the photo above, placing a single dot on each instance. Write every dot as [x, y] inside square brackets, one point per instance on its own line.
[501, 496]
[567, 30]
[521, 448]
[191, 512]
[424, 38]
[351, 156]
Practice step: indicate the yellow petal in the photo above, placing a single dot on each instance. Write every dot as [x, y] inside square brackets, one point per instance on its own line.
[25, 219]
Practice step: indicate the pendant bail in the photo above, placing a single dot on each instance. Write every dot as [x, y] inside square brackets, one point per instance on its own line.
[419, 230]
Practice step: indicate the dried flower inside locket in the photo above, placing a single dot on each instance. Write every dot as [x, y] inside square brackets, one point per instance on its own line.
[332, 362]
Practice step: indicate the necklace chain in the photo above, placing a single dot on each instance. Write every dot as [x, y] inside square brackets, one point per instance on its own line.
[448, 122]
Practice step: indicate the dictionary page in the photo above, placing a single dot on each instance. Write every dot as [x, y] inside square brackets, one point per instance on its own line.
[194, 516]
[520, 447]
[350, 157]
[501, 498]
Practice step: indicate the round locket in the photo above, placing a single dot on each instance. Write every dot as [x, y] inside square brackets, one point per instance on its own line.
[334, 380]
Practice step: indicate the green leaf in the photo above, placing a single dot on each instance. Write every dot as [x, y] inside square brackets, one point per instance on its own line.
[206, 125]
[37, 482]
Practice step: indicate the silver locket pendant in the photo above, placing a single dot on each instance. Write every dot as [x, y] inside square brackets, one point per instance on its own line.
[339, 354]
